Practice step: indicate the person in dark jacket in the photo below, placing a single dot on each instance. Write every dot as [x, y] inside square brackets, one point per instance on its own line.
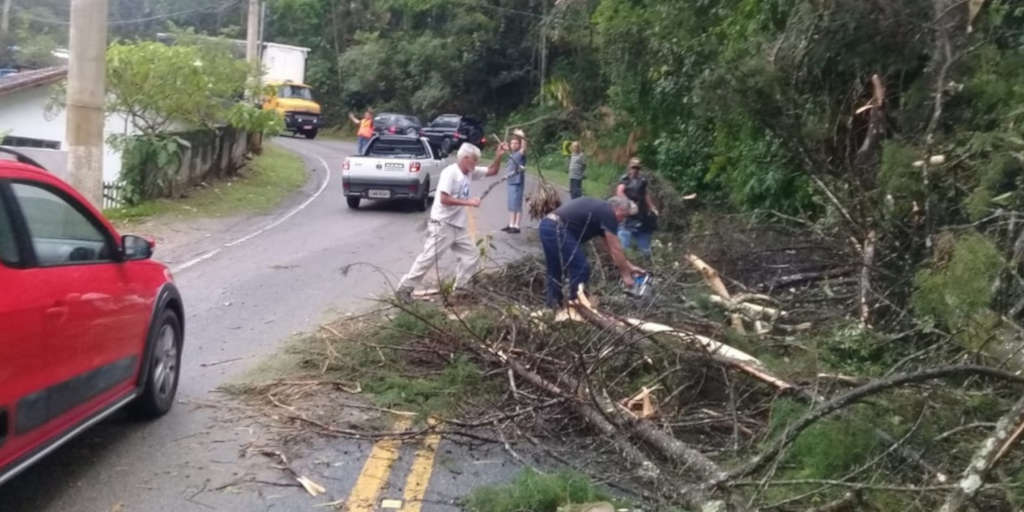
[638, 228]
[563, 233]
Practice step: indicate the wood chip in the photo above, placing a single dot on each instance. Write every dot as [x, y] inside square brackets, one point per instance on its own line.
[314, 489]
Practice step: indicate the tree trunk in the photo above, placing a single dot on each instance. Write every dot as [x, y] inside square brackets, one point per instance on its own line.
[985, 458]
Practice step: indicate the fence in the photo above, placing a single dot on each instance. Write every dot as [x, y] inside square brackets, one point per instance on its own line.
[113, 193]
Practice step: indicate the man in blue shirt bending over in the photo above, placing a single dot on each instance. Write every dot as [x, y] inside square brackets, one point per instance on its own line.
[563, 233]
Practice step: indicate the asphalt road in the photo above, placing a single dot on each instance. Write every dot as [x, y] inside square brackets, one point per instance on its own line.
[248, 289]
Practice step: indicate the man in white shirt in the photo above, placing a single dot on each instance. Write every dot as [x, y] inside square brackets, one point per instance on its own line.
[447, 227]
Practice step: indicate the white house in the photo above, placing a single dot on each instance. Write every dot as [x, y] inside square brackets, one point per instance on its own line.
[29, 127]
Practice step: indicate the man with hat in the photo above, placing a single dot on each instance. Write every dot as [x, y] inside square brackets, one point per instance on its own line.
[638, 228]
[563, 233]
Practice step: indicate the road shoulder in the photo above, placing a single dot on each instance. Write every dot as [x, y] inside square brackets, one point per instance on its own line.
[226, 210]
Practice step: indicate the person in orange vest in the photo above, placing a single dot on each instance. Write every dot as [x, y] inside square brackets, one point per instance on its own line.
[365, 132]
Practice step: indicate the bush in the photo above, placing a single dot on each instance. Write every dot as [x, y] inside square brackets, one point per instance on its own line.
[533, 492]
[956, 290]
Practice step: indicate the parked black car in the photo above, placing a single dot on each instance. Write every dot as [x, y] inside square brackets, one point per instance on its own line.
[448, 131]
[397, 124]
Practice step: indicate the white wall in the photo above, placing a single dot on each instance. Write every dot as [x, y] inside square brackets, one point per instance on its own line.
[22, 114]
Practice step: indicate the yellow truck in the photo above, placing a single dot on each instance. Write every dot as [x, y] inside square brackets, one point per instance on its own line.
[295, 103]
[284, 71]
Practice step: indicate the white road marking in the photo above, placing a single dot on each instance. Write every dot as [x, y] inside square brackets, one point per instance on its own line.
[194, 261]
[209, 254]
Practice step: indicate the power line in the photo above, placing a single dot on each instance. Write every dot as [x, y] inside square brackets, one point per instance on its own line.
[23, 13]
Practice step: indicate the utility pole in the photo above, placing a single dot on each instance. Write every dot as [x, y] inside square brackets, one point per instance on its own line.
[85, 95]
[263, 30]
[252, 35]
[5, 22]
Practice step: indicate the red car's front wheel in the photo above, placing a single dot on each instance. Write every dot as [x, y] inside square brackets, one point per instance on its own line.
[164, 367]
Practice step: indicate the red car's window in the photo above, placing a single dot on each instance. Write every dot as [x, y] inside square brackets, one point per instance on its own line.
[8, 244]
[60, 234]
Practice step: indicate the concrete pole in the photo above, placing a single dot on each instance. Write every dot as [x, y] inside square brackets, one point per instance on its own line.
[263, 31]
[252, 35]
[5, 22]
[85, 95]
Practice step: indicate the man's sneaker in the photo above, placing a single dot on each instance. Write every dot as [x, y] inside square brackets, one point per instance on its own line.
[507, 229]
[513, 230]
[404, 295]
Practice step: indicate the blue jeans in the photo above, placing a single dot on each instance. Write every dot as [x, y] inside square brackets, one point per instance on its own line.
[563, 254]
[575, 188]
[642, 238]
[363, 142]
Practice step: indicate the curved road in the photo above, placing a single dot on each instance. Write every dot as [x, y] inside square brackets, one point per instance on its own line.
[246, 291]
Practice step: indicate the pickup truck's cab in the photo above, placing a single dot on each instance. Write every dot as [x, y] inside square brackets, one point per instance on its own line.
[393, 167]
[295, 103]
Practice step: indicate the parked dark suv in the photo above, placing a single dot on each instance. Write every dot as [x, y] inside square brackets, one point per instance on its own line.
[397, 124]
[448, 131]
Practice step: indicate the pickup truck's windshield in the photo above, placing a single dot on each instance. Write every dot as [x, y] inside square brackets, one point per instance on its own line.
[295, 91]
[412, 148]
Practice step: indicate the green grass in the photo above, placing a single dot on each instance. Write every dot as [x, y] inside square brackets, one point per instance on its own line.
[555, 166]
[535, 492]
[599, 180]
[261, 186]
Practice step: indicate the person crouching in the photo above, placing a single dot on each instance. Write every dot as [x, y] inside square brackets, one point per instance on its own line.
[563, 233]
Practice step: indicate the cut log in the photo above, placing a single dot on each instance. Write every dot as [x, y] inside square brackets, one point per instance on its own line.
[754, 311]
[802, 277]
[717, 350]
[865, 279]
[714, 281]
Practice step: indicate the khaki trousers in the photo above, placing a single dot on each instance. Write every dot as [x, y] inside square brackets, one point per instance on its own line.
[440, 239]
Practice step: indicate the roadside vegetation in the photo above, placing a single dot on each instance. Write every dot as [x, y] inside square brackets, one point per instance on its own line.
[258, 188]
[859, 172]
[536, 492]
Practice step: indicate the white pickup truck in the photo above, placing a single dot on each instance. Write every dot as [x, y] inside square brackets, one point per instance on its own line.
[394, 167]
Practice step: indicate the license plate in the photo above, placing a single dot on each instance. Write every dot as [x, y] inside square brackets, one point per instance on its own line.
[379, 194]
[307, 127]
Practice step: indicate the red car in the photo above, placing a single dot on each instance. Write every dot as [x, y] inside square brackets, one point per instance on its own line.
[88, 323]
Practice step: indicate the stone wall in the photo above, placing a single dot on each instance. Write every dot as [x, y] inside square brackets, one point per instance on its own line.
[210, 155]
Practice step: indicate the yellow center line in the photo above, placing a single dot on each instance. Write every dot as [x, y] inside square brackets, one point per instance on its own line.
[365, 492]
[419, 475]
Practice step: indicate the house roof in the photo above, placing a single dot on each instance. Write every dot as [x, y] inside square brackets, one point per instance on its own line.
[34, 78]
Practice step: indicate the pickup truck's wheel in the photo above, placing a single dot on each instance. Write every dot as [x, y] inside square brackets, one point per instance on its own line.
[423, 202]
[353, 202]
[165, 341]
